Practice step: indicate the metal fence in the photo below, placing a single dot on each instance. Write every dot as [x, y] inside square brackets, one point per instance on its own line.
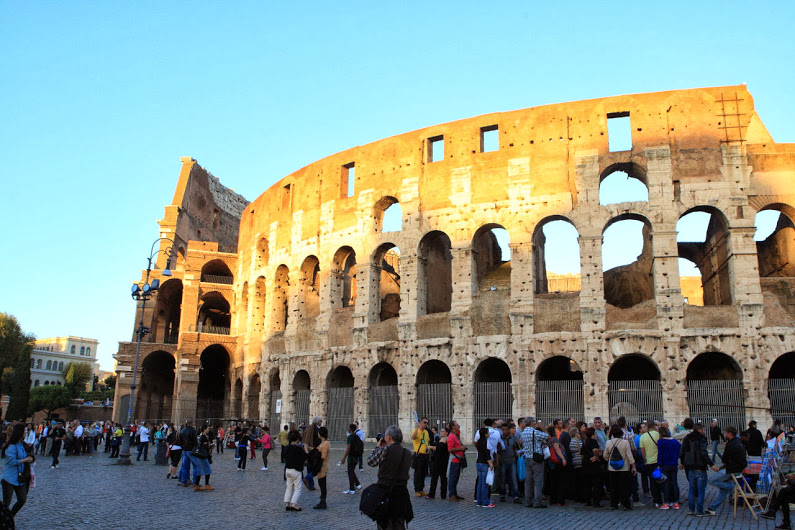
[435, 401]
[302, 398]
[492, 400]
[559, 399]
[215, 278]
[636, 399]
[209, 408]
[384, 402]
[717, 399]
[781, 393]
[274, 419]
[339, 412]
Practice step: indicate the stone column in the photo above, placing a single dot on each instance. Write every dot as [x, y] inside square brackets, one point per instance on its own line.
[592, 299]
[463, 285]
[409, 296]
[667, 290]
[522, 296]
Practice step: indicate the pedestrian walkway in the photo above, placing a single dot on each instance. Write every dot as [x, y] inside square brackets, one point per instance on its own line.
[88, 492]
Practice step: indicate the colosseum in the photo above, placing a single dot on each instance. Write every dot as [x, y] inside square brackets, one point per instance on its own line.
[409, 275]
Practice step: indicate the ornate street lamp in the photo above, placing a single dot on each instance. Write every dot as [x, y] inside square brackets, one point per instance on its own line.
[142, 293]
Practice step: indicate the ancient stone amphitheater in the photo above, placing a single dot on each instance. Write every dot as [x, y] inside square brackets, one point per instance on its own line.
[410, 274]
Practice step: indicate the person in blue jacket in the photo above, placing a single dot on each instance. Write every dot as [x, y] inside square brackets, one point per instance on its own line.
[16, 458]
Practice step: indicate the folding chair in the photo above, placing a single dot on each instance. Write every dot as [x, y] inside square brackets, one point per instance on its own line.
[751, 499]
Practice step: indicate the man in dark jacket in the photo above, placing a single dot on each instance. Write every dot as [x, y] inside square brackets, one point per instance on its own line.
[188, 439]
[694, 459]
[756, 442]
[715, 438]
[734, 462]
[783, 498]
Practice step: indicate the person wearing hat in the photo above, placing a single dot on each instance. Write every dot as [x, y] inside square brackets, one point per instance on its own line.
[756, 441]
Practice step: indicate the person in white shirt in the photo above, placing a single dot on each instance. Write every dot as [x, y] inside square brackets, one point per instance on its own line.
[143, 442]
[360, 434]
[30, 434]
[77, 443]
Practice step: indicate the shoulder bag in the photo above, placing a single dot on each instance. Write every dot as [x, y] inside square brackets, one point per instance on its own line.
[537, 457]
[375, 497]
[616, 462]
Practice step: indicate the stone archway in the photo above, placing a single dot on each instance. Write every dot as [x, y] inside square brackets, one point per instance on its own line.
[384, 398]
[559, 390]
[493, 396]
[339, 405]
[715, 390]
[213, 390]
[435, 392]
[635, 391]
[153, 402]
[302, 395]
[781, 388]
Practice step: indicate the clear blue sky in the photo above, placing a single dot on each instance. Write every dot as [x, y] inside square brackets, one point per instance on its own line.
[100, 99]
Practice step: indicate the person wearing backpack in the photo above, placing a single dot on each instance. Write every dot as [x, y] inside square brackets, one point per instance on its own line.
[695, 460]
[620, 468]
[353, 450]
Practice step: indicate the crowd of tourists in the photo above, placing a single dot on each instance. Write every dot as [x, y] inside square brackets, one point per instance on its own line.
[524, 461]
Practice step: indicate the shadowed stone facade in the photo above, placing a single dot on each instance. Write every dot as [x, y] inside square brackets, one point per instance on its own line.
[316, 281]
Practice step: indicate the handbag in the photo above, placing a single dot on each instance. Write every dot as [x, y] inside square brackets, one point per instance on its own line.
[520, 471]
[375, 497]
[537, 457]
[199, 451]
[490, 477]
[462, 461]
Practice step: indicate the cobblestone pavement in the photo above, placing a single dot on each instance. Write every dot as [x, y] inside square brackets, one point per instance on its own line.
[88, 492]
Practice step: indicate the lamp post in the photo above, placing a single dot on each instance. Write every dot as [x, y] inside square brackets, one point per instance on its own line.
[142, 293]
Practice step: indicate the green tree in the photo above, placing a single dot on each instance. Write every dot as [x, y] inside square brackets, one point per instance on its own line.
[110, 381]
[48, 398]
[15, 348]
[20, 386]
[77, 375]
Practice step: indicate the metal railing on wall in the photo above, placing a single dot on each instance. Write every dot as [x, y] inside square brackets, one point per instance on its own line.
[560, 399]
[215, 278]
[717, 399]
[636, 399]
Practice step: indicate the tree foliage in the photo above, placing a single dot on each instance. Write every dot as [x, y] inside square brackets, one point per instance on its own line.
[110, 381]
[77, 375]
[15, 349]
[48, 398]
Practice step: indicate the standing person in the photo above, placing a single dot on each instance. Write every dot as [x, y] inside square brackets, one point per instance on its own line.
[756, 442]
[483, 465]
[188, 440]
[558, 462]
[58, 435]
[295, 458]
[578, 482]
[393, 462]
[45, 433]
[311, 440]
[203, 461]
[618, 451]
[695, 460]
[115, 442]
[734, 462]
[668, 451]
[592, 468]
[352, 447]
[457, 455]
[715, 438]
[506, 455]
[439, 469]
[242, 449]
[77, 441]
[174, 452]
[219, 440]
[143, 442]
[533, 441]
[267, 445]
[17, 459]
[648, 449]
[420, 439]
[281, 437]
[360, 434]
[325, 455]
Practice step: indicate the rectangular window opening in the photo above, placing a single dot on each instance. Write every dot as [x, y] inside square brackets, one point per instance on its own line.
[619, 131]
[489, 139]
[348, 180]
[436, 148]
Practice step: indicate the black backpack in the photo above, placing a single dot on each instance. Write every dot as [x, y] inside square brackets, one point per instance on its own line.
[315, 461]
[357, 446]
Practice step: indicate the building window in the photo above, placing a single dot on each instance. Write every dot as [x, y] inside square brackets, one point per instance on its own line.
[348, 180]
[60, 366]
[88, 351]
[32, 363]
[619, 131]
[38, 363]
[73, 348]
[49, 365]
[436, 148]
[82, 350]
[36, 382]
[46, 383]
[58, 383]
[489, 138]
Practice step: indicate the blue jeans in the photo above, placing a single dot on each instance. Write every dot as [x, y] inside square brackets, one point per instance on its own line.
[723, 481]
[669, 491]
[452, 481]
[509, 480]
[483, 488]
[697, 480]
[188, 460]
[715, 444]
[308, 479]
[143, 447]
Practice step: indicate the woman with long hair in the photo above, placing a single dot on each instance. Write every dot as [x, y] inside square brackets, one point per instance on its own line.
[483, 465]
[325, 455]
[204, 461]
[557, 459]
[14, 475]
